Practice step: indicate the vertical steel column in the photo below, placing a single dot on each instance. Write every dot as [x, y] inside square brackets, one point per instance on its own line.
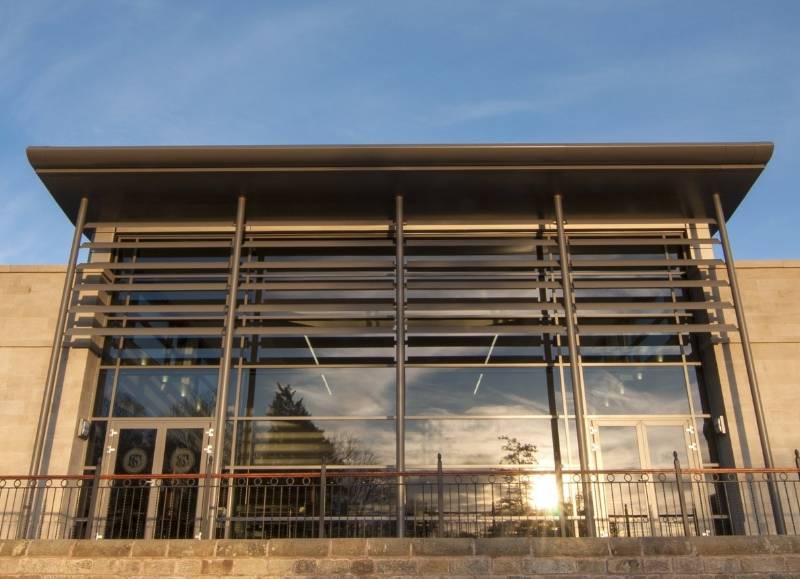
[225, 363]
[53, 369]
[755, 393]
[58, 343]
[577, 379]
[400, 379]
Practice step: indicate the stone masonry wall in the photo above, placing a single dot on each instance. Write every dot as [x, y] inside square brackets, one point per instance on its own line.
[662, 557]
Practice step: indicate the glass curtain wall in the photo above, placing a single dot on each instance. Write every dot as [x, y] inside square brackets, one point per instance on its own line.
[161, 302]
[314, 359]
[487, 368]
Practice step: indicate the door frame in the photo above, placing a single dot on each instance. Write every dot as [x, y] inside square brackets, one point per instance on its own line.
[161, 426]
[640, 424]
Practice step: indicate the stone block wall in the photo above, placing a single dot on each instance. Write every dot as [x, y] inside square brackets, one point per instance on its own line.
[29, 301]
[658, 557]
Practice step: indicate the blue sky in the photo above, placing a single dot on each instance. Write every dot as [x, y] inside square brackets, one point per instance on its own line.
[122, 72]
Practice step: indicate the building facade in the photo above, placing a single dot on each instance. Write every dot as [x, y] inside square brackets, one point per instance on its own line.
[253, 311]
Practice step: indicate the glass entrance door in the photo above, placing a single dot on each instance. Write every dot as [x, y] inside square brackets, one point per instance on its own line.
[635, 503]
[139, 507]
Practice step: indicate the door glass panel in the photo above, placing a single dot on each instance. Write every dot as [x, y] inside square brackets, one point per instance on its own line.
[129, 500]
[619, 447]
[662, 442]
[177, 498]
[623, 505]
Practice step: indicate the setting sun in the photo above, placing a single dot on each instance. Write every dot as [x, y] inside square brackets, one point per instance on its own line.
[543, 493]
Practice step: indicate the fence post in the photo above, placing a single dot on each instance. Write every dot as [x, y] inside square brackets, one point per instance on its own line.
[209, 509]
[681, 497]
[323, 484]
[440, 493]
[90, 513]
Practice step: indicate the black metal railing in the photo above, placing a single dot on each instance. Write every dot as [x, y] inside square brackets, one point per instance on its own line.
[443, 503]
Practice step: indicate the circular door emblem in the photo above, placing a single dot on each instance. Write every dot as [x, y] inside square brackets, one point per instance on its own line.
[182, 461]
[134, 461]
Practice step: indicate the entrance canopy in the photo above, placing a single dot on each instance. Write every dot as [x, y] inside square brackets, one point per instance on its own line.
[439, 182]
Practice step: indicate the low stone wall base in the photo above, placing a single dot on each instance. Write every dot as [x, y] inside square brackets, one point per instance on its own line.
[774, 557]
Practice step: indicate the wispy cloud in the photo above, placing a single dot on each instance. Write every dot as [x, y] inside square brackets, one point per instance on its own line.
[151, 72]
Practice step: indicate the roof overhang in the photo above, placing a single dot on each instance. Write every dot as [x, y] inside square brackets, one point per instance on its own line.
[439, 182]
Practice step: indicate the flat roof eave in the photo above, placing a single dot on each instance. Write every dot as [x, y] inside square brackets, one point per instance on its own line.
[602, 180]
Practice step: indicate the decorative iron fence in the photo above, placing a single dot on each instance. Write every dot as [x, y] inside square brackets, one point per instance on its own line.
[444, 503]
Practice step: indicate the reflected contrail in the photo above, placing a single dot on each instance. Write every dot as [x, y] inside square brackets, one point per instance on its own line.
[485, 363]
[314, 355]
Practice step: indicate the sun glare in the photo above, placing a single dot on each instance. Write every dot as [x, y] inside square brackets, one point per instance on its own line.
[543, 493]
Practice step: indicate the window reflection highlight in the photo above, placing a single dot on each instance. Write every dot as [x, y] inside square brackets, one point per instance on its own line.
[636, 390]
[166, 393]
[487, 391]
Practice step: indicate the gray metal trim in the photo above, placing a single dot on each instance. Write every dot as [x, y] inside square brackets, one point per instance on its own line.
[622, 263]
[747, 351]
[652, 306]
[400, 376]
[616, 329]
[91, 331]
[659, 241]
[58, 344]
[156, 245]
[574, 356]
[644, 284]
[284, 157]
[225, 362]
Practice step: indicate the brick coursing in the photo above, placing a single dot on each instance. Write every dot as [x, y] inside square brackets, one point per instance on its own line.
[774, 557]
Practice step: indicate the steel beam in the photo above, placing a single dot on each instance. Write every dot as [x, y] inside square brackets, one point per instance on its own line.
[58, 343]
[577, 378]
[400, 367]
[758, 406]
[225, 364]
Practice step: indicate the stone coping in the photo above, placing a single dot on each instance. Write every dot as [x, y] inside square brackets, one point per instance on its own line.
[33, 268]
[767, 263]
[394, 548]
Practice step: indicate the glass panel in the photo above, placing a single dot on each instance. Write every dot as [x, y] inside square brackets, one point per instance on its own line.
[329, 350]
[662, 441]
[205, 254]
[306, 442]
[144, 298]
[164, 351]
[636, 390]
[176, 393]
[486, 390]
[479, 442]
[706, 438]
[631, 348]
[619, 447]
[319, 391]
[568, 440]
[697, 390]
[458, 349]
[95, 443]
[128, 500]
[177, 499]
[102, 399]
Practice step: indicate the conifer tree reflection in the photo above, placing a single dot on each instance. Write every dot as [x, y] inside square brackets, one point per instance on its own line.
[280, 507]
